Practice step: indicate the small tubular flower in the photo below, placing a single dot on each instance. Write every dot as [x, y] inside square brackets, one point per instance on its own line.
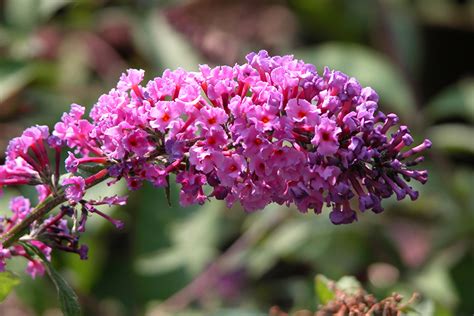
[75, 188]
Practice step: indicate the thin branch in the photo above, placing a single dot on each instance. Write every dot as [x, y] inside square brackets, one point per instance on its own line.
[38, 212]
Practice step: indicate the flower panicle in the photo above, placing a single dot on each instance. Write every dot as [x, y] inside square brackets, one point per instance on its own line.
[270, 130]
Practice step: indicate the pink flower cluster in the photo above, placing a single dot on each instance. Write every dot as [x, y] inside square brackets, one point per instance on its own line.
[270, 130]
[29, 162]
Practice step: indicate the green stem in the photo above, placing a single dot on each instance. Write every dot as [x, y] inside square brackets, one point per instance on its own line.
[38, 212]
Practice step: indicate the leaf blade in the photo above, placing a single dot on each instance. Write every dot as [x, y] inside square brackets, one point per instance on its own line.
[13, 77]
[7, 282]
[456, 101]
[348, 284]
[452, 137]
[324, 293]
[68, 299]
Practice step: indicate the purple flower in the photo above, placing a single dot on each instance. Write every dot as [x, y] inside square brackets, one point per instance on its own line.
[212, 116]
[75, 188]
[35, 268]
[71, 162]
[344, 216]
[29, 147]
[263, 118]
[132, 78]
[230, 169]
[137, 143]
[75, 131]
[83, 252]
[191, 188]
[163, 114]
[32, 136]
[205, 159]
[111, 200]
[326, 137]
[4, 254]
[20, 207]
[175, 148]
[302, 111]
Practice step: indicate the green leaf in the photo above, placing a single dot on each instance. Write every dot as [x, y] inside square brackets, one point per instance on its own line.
[48, 8]
[67, 297]
[13, 77]
[8, 194]
[7, 282]
[73, 59]
[452, 137]
[456, 101]
[22, 14]
[161, 261]
[324, 293]
[409, 309]
[151, 213]
[370, 68]
[425, 308]
[284, 240]
[348, 284]
[405, 34]
[436, 283]
[26, 14]
[193, 254]
[163, 45]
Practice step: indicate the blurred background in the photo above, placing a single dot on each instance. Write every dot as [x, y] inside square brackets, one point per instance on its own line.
[209, 260]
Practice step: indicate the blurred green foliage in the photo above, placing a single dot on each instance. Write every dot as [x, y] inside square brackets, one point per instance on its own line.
[211, 260]
[7, 282]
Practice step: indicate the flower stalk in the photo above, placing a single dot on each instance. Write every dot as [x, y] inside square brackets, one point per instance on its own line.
[42, 209]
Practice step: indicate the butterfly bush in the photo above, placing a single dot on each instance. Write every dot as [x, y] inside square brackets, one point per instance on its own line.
[270, 130]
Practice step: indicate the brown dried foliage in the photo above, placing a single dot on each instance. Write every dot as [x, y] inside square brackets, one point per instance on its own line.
[359, 303]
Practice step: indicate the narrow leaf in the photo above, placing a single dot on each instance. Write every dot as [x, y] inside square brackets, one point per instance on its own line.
[324, 292]
[163, 45]
[7, 282]
[452, 137]
[13, 77]
[456, 101]
[68, 300]
[21, 14]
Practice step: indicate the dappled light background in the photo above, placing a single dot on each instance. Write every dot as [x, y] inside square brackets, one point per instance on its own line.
[211, 260]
